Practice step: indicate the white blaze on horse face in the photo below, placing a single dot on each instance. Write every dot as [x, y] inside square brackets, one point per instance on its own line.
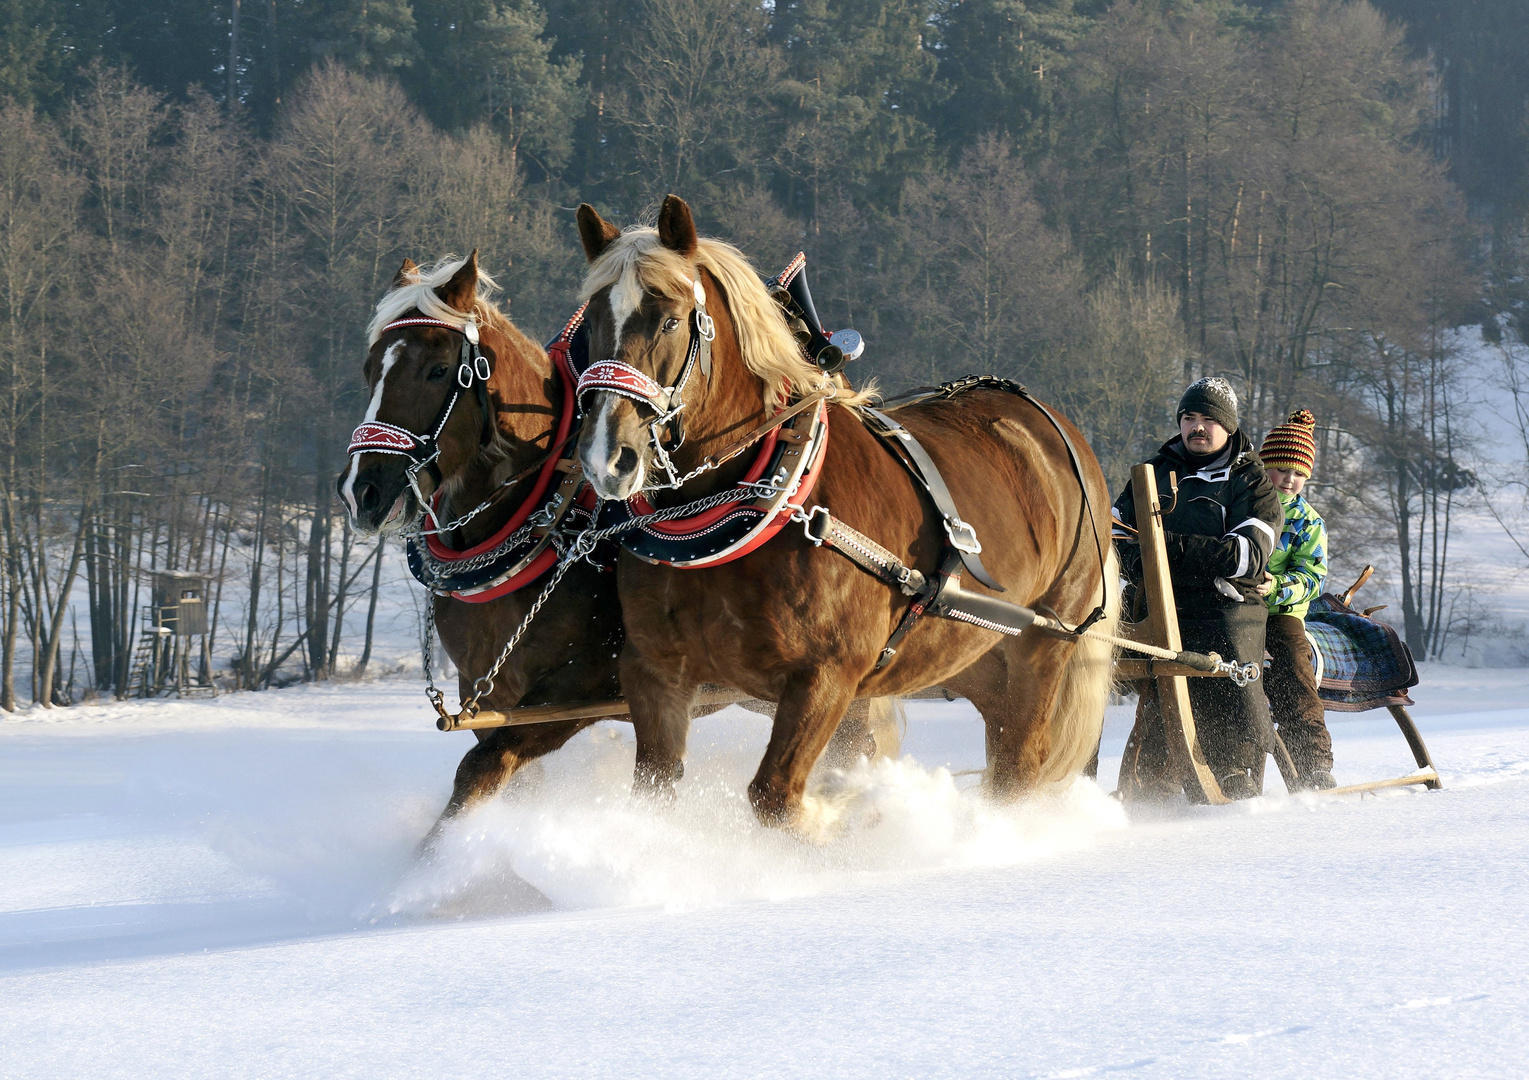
[626, 298]
[389, 358]
[604, 448]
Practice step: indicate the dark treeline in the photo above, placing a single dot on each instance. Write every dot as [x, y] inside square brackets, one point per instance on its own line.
[200, 202]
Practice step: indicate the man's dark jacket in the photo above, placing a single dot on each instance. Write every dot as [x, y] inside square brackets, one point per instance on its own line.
[1224, 527]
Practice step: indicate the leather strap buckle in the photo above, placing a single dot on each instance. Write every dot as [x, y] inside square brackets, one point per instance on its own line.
[962, 536]
[817, 523]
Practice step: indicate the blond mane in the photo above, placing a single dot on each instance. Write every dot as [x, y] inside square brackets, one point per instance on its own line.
[769, 348]
[419, 294]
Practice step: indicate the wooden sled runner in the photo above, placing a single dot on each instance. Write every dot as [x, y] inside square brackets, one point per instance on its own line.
[1186, 761]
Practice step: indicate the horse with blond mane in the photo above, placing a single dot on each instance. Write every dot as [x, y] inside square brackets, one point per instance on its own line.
[468, 431]
[699, 354]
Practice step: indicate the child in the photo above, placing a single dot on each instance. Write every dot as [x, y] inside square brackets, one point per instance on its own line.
[1296, 571]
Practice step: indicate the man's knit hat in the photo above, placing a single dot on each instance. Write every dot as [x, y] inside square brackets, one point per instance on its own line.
[1292, 445]
[1212, 397]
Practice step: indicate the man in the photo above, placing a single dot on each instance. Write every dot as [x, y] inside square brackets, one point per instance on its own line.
[1221, 528]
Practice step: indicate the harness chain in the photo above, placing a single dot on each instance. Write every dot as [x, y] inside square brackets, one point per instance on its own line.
[583, 545]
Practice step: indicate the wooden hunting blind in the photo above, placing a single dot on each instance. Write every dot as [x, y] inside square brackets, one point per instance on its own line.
[180, 602]
[167, 658]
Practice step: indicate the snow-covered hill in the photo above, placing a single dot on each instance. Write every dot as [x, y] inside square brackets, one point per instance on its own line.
[229, 889]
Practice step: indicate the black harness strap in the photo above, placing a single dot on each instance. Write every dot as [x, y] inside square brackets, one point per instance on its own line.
[828, 531]
[927, 596]
[941, 594]
[962, 537]
[994, 382]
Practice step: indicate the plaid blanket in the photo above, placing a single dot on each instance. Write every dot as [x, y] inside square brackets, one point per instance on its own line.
[1365, 664]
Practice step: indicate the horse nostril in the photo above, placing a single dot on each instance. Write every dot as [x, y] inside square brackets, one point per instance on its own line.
[626, 461]
[368, 498]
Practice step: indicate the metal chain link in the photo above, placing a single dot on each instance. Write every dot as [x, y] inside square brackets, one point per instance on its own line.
[463, 566]
[583, 545]
[432, 691]
[459, 522]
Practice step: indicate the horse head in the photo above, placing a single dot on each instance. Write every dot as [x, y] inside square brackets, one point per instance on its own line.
[692, 346]
[440, 358]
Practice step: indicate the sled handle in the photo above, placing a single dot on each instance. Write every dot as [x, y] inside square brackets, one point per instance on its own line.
[1364, 575]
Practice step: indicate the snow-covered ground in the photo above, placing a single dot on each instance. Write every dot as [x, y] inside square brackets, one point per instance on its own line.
[230, 889]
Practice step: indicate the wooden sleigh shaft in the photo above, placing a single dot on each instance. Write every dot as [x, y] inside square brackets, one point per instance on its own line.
[613, 709]
[616, 709]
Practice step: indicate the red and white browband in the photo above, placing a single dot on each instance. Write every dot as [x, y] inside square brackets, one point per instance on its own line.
[468, 329]
[625, 380]
[378, 437]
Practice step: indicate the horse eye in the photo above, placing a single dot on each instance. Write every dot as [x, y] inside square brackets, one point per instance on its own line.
[671, 324]
[437, 372]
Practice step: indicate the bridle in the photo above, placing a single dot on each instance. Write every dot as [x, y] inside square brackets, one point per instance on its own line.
[667, 429]
[424, 451]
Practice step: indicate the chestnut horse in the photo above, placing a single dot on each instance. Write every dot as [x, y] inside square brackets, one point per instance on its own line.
[411, 373]
[801, 626]
[570, 653]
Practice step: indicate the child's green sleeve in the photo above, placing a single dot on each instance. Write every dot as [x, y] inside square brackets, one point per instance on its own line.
[1300, 579]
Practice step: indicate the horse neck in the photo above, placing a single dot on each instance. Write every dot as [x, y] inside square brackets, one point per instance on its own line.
[527, 398]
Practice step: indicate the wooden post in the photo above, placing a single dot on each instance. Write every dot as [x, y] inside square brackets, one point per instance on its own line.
[1184, 754]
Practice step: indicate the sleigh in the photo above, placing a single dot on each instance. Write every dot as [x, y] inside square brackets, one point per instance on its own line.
[1363, 664]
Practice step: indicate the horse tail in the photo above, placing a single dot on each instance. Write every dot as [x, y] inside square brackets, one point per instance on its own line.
[1078, 716]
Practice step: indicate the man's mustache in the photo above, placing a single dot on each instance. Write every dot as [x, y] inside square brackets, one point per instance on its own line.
[1199, 433]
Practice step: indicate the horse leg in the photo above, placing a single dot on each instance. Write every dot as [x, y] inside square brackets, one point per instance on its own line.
[499, 754]
[660, 708]
[872, 728]
[853, 738]
[1015, 688]
[809, 711]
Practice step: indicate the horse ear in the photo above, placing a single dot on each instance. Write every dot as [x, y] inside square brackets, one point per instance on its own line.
[462, 290]
[595, 233]
[676, 228]
[407, 274]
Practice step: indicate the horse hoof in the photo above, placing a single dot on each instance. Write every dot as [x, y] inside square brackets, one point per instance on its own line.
[657, 782]
[771, 807]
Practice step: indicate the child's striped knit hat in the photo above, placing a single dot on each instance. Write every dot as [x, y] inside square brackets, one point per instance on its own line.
[1292, 445]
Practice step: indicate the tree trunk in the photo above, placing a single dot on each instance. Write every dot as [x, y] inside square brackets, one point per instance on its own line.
[341, 593]
[318, 571]
[371, 606]
[61, 607]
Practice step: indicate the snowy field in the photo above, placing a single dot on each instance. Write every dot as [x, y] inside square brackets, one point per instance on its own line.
[229, 889]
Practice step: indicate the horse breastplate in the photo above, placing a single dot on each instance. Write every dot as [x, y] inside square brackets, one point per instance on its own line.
[782, 477]
[527, 545]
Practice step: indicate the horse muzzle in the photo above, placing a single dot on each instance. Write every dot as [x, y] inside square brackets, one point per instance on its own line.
[613, 451]
[379, 498]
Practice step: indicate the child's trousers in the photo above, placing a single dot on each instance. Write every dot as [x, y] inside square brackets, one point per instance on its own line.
[1292, 688]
